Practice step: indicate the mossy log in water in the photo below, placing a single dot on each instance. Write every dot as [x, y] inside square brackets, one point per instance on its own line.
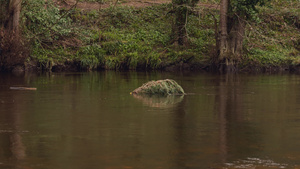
[160, 87]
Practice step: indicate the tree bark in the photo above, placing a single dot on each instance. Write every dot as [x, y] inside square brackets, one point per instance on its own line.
[223, 28]
[13, 50]
[230, 45]
[181, 12]
[181, 25]
[236, 37]
[14, 10]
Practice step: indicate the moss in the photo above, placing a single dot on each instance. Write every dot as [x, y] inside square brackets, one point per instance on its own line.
[160, 87]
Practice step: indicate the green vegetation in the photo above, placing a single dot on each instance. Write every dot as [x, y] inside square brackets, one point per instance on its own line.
[273, 39]
[160, 87]
[113, 38]
[121, 37]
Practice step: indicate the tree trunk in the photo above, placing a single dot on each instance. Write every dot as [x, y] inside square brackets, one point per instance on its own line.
[232, 30]
[181, 25]
[223, 28]
[14, 10]
[12, 49]
[236, 37]
[181, 12]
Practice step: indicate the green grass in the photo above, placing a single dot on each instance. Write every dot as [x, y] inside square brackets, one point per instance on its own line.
[273, 41]
[140, 38]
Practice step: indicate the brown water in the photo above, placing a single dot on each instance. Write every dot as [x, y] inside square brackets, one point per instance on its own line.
[90, 121]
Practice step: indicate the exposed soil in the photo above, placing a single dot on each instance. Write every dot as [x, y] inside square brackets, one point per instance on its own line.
[132, 3]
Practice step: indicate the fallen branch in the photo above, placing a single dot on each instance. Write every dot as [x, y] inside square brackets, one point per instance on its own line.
[22, 88]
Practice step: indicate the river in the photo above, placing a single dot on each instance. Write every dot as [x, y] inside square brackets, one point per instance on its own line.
[90, 121]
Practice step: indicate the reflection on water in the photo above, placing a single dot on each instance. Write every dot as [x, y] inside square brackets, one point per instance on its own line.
[234, 127]
[159, 101]
[11, 143]
[89, 120]
[255, 163]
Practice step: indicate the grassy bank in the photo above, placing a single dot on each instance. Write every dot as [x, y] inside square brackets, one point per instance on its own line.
[121, 37]
[273, 40]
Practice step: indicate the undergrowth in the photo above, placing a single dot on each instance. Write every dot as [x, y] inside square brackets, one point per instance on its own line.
[273, 39]
[140, 38]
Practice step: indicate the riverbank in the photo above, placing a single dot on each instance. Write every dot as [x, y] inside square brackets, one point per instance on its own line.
[121, 37]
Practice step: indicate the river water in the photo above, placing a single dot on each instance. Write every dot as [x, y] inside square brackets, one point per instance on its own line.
[90, 121]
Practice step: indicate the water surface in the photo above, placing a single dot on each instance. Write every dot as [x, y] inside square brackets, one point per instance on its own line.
[89, 120]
